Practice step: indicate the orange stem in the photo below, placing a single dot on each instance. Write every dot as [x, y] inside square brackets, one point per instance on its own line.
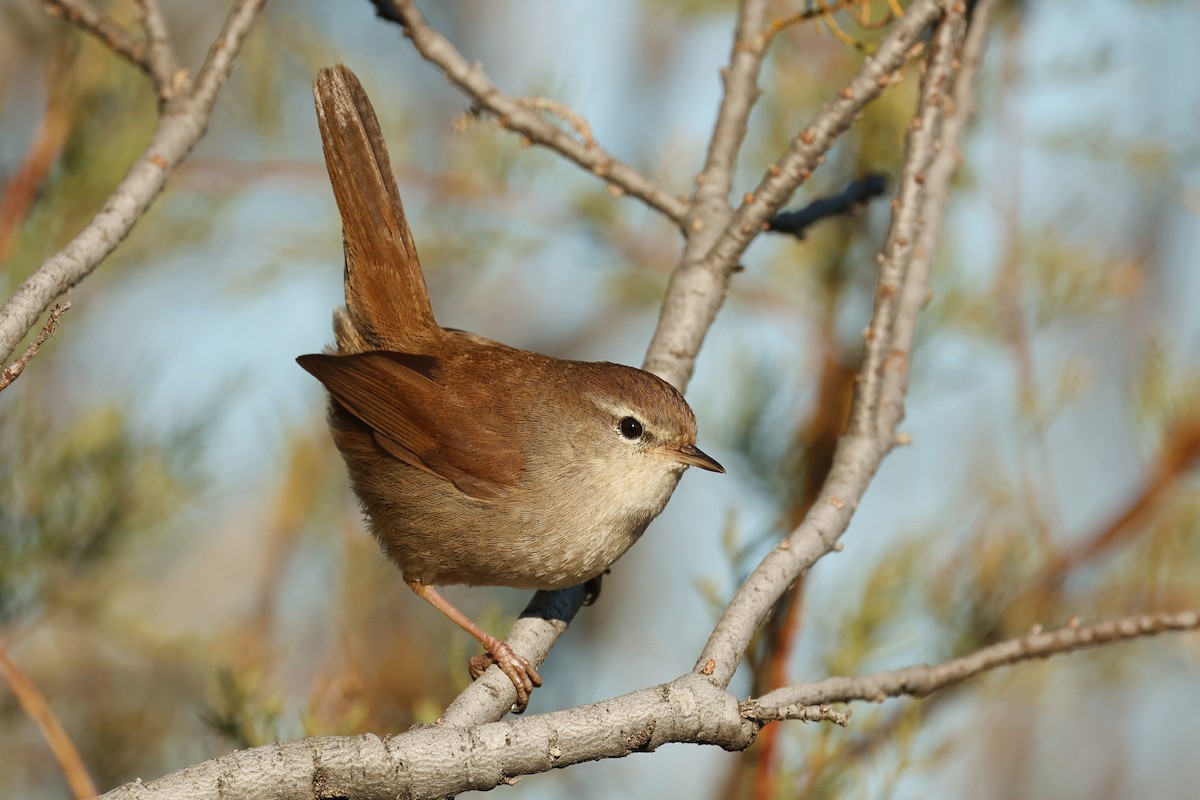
[37, 709]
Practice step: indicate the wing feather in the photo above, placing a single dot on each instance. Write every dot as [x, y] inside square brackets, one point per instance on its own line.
[406, 400]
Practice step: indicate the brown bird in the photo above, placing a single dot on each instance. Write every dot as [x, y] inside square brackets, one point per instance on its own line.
[476, 463]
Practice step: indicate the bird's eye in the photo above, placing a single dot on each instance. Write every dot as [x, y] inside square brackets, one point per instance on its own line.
[630, 428]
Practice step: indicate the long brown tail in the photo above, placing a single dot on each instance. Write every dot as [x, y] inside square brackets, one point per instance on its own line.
[386, 296]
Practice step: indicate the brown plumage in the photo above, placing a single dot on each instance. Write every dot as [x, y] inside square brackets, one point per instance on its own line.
[475, 462]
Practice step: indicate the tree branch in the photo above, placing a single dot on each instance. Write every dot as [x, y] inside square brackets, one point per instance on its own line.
[920, 681]
[902, 289]
[533, 635]
[223, 53]
[444, 760]
[512, 114]
[178, 130]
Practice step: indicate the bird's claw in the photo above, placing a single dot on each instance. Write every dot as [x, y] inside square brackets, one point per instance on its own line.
[522, 674]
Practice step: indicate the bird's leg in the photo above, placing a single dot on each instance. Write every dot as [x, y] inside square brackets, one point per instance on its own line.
[522, 674]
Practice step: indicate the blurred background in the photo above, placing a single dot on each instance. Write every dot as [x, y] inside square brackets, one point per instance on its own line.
[183, 570]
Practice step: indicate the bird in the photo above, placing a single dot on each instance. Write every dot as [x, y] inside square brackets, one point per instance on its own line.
[476, 463]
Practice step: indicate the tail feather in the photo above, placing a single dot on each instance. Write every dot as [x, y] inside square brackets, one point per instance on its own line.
[386, 296]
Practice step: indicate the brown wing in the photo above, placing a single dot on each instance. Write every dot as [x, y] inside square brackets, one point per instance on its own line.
[410, 406]
[385, 291]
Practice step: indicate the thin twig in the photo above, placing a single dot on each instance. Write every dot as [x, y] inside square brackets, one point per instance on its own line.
[171, 141]
[34, 704]
[922, 680]
[445, 760]
[512, 115]
[91, 19]
[14, 370]
[814, 713]
[863, 448]
[164, 67]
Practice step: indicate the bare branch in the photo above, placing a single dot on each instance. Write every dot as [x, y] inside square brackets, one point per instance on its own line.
[864, 446]
[160, 54]
[698, 287]
[919, 681]
[14, 370]
[513, 114]
[177, 131]
[91, 19]
[533, 635]
[34, 704]
[444, 760]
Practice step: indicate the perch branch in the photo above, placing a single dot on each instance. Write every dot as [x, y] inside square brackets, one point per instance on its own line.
[445, 760]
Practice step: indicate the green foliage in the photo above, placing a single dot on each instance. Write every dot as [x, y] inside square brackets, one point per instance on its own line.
[72, 494]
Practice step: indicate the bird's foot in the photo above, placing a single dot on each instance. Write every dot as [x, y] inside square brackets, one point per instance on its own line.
[522, 674]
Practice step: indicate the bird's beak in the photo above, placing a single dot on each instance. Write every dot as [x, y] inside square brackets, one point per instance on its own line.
[693, 456]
